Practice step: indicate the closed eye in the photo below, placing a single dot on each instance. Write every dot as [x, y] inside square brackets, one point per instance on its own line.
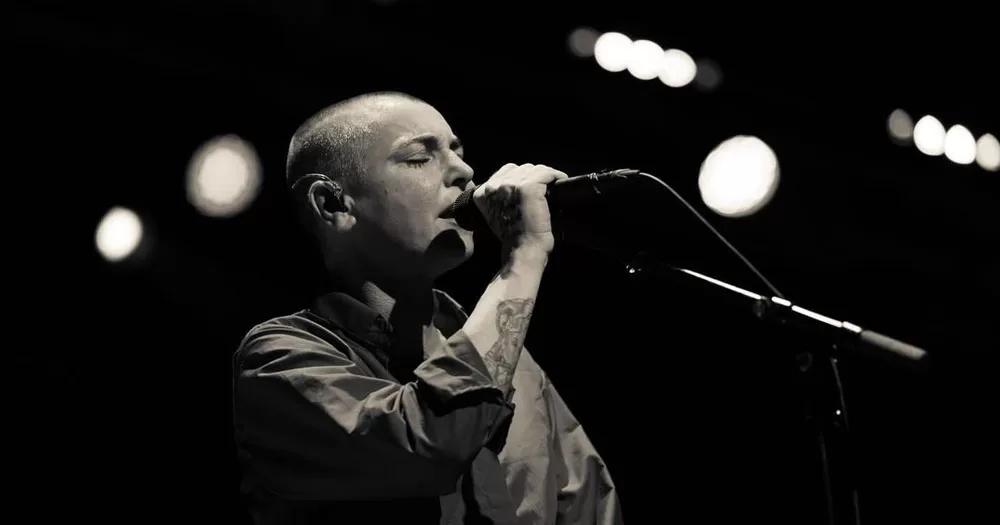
[431, 148]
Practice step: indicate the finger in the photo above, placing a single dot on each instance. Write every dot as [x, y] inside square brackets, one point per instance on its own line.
[558, 174]
[505, 168]
[546, 174]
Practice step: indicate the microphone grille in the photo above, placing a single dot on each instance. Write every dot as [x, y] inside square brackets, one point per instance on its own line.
[465, 212]
[462, 201]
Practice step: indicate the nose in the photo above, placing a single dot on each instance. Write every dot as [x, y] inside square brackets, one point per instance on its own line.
[459, 172]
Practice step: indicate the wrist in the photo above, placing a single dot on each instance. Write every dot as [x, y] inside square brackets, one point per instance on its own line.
[527, 251]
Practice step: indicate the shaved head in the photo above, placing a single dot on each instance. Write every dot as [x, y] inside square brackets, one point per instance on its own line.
[334, 141]
[398, 165]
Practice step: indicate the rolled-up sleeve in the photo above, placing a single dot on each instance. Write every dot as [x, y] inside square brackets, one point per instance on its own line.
[312, 425]
[586, 493]
[551, 463]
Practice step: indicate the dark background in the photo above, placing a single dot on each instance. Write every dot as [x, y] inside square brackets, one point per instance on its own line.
[125, 378]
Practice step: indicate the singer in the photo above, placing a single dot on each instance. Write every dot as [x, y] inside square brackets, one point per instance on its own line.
[384, 402]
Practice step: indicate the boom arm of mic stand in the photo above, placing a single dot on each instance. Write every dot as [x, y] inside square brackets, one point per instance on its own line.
[843, 334]
[828, 419]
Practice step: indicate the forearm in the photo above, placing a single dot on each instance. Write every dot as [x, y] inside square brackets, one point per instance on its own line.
[499, 323]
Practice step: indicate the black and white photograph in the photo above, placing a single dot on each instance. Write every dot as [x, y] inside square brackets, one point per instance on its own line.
[429, 262]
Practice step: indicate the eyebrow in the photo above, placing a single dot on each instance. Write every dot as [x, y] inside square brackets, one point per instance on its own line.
[429, 141]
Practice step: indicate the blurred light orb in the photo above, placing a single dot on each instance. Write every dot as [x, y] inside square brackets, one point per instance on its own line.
[960, 145]
[679, 69]
[708, 75]
[118, 234]
[928, 136]
[613, 51]
[645, 59]
[582, 41]
[900, 126]
[739, 176]
[988, 152]
[224, 177]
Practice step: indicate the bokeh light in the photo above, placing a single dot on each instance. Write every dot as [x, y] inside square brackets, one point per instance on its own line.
[960, 145]
[118, 234]
[224, 177]
[679, 69]
[612, 51]
[739, 176]
[928, 136]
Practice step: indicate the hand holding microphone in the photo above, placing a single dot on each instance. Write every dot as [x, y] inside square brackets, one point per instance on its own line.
[513, 204]
[560, 193]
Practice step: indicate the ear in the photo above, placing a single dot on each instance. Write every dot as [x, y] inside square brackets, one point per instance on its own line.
[327, 201]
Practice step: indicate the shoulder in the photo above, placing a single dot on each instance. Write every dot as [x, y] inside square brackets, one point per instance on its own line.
[279, 336]
[295, 325]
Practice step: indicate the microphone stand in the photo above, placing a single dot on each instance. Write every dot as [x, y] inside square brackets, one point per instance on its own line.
[823, 404]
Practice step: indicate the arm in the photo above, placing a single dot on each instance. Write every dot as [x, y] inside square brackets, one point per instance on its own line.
[499, 323]
[320, 426]
[514, 205]
[316, 426]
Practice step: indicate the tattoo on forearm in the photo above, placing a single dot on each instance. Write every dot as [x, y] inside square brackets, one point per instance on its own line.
[505, 214]
[512, 327]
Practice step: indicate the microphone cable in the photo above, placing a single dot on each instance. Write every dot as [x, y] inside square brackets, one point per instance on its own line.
[715, 232]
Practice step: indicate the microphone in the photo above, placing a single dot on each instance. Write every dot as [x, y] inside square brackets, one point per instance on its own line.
[560, 195]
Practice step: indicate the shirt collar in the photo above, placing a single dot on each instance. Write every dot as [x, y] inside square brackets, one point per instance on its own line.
[363, 322]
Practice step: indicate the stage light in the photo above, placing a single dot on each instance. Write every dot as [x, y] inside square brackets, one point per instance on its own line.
[679, 69]
[739, 176]
[928, 136]
[959, 145]
[118, 234]
[900, 126]
[582, 41]
[223, 177]
[708, 75]
[988, 152]
[645, 60]
[612, 51]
